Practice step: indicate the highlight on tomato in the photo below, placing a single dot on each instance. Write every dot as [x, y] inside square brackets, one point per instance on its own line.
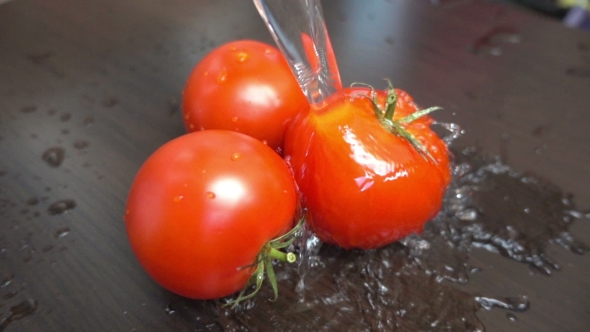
[208, 210]
[244, 86]
[370, 169]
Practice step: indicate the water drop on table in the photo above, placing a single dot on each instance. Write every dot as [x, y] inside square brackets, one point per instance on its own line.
[65, 117]
[61, 232]
[28, 109]
[520, 303]
[7, 280]
[88, 121]
[492, 41]
[19, 311]
[47, 248]
[33, 201]
[81, 144]
[110, 102]
[61, 206]
[54, 156]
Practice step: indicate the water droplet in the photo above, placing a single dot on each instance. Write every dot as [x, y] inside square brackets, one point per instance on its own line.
[88, 121]
[242, 57]
[222, 77]
[61, 206]
[234, 119]
[65, 117]
[33, 201]
[491, 42]
[28, 109]
[47, 248]
[454, 129]
[81, 144]
[466, 215]
[541, 149]
[578, 71]
[61, 232]
[54, 156]
[511, 317]
[265, 142]
[170, 309]
[9, 295]
[235, 156]
[109, 102]
[519, 304]
[178, 198]
[210, 195]
[19, 311]
[6, 280]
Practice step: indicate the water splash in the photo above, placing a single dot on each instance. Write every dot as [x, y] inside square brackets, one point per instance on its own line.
[454, 130]
[415, 284]
[515, 215]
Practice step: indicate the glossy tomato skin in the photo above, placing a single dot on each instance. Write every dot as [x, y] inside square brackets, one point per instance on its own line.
[363, 186]
[244, 86]
[202, 206]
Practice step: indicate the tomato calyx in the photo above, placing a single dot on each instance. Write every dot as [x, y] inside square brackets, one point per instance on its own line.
[397, 127]
[263, 264]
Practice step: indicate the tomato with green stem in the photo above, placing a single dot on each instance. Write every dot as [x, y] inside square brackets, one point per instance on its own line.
[244, 86]
[369, 167]
[203, 211]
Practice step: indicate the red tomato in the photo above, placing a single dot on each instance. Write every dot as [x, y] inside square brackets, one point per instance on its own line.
[202, 207]
[244, 86]
[364, 186]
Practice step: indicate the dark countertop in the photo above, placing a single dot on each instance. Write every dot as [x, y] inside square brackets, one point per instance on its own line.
[101, 81]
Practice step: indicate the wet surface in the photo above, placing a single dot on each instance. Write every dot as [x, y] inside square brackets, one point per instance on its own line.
[19, 311]
[417, 283]
[103, 82]
[493, 41]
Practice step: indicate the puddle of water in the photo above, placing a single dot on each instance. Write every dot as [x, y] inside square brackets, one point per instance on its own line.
[19, 311]
[415, 284]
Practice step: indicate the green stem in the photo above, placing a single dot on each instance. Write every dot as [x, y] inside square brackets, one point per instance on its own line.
[282, 256]
[391, 101]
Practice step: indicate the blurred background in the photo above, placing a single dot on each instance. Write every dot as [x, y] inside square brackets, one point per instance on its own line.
[573, 13]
